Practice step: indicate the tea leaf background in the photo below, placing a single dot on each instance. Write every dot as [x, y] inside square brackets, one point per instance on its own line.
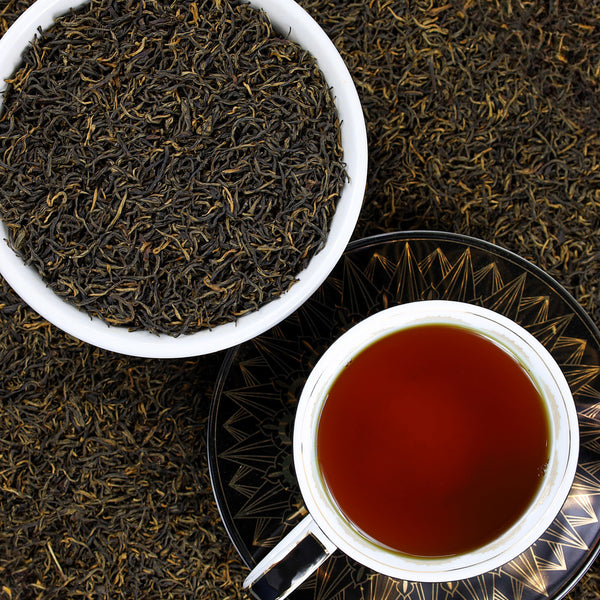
[482, 119]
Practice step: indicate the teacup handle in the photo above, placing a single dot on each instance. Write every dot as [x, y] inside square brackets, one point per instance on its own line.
[290, 562]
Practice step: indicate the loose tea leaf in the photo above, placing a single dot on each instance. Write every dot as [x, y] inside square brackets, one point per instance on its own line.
[168, 166]
[483, 119]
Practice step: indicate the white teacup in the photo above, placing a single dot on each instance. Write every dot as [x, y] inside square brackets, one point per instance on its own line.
[328, 528]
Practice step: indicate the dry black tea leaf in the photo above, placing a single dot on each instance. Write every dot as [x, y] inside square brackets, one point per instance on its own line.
[168, 166]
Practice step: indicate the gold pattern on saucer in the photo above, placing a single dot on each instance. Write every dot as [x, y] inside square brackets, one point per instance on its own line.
[266, 377]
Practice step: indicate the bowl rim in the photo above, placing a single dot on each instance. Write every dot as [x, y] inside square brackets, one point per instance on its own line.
[292, 20]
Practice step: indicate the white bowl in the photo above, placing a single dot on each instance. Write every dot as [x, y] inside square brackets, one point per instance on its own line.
[288, 18]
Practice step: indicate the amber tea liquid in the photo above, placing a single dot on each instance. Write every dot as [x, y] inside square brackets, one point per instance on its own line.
[433, 441]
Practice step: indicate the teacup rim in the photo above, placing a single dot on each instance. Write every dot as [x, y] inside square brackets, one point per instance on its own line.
[388, 561]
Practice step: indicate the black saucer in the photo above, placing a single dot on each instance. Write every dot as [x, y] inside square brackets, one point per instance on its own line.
[249, 439]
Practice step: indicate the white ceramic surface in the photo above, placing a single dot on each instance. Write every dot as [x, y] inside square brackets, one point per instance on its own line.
[287, 17]
[555, 486]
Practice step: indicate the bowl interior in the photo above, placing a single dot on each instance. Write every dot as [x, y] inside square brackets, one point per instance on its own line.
[289, 19]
